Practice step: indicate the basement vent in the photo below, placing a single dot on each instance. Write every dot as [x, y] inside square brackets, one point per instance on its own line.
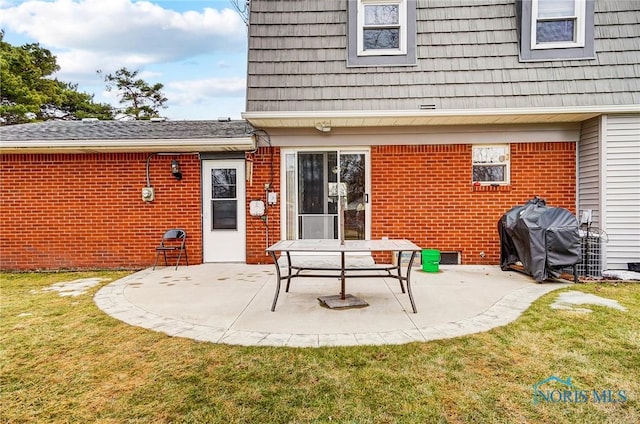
[450, 258]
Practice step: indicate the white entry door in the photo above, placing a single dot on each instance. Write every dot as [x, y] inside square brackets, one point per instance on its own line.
[223, 211]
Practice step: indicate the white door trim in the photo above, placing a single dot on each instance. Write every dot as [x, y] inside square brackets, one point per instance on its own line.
[224, 245]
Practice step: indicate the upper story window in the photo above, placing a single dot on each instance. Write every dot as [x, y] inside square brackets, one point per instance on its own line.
[381, 33]
[491, 164]
[556, 29]
[382, 27]
[557, 24]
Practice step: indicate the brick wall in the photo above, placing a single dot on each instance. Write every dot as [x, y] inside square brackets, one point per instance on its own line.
[72, 211]
[266, 170]
[426, 195]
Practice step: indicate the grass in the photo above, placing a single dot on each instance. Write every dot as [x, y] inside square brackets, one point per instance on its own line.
[64, 360]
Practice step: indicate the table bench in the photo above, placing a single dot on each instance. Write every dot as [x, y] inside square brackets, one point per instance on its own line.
[347, 265]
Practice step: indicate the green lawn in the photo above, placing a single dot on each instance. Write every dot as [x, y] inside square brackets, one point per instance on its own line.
[64, 360]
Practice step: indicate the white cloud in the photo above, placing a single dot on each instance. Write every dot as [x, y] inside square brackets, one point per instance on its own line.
[86, 35]
[213, 109]
[178, 49]
[199, 91]
[149, 75]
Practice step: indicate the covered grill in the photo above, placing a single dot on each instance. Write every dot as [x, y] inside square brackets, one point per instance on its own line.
[540, 238]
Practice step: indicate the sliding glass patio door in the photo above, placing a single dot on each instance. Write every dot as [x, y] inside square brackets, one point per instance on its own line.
[316, 184]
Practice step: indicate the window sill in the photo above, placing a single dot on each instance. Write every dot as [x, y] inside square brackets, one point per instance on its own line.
[553, 58]
[491, 188]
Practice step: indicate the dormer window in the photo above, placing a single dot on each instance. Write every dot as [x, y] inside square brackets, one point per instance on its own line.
[555, 29]
[557, 24]
[381, 33]
[382, 27]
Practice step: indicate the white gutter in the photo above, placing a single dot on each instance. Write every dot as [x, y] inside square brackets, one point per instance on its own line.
[360, 114]
[325, 120]
[138, 145]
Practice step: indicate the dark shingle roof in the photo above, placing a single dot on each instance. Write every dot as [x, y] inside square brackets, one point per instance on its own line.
[125, 130]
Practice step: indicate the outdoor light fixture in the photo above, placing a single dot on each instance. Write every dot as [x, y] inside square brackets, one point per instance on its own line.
[324, 126]
[175, 170]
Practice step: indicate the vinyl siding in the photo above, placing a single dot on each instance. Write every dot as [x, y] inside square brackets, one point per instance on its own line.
[622, 189]
[467, 58]
[589, 169]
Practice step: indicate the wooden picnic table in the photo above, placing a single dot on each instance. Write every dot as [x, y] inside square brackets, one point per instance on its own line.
[332, 246]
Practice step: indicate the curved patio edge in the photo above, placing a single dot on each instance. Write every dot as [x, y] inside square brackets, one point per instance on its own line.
[112, 300]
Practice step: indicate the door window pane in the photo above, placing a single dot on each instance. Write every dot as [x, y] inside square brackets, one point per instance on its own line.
[332, 186]
[223, 182]
[311, 183]
[290, 163]
[224, 203]
[352, 176]
[317, 207]
[225, 214]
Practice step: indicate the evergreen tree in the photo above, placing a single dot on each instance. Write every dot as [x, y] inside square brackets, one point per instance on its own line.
[143, 100]
[28, 92]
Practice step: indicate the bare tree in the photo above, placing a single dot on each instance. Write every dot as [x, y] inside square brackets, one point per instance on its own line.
[242, 7]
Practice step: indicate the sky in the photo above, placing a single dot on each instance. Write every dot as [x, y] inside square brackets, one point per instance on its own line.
[196, 48]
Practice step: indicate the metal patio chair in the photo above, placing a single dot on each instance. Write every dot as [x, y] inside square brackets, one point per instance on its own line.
[172, 245]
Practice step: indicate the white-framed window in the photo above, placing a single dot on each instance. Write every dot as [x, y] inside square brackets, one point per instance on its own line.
[557, 24]
[382, 27]
[491, 164]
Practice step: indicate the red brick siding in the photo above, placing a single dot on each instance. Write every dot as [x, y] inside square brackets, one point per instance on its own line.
[73, 211]
[425, 194]
[266, 169]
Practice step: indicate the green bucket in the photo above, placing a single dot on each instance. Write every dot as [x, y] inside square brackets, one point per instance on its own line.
[430, 260]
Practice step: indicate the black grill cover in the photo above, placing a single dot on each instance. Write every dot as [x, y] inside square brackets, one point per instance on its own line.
[543, 239]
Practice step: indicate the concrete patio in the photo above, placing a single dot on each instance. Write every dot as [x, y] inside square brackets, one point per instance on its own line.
[230, 303]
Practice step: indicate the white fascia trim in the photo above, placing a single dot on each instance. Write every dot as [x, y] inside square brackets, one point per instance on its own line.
[357, 114]
[152, 145]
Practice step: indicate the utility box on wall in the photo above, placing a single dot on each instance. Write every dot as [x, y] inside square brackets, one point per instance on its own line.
[256, 208]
